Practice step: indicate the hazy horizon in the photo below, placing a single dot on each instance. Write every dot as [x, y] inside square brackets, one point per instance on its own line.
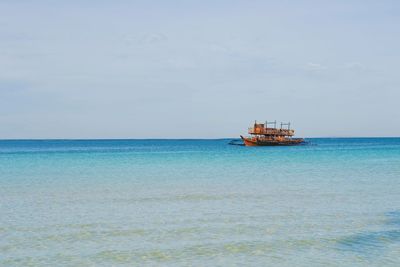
[184, 70]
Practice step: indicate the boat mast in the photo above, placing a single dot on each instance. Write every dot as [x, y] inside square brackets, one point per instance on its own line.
[285, 124]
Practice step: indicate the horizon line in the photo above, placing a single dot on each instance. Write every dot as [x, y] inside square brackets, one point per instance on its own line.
[177, 139]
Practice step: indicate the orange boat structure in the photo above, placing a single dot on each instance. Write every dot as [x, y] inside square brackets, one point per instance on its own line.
[261, 135]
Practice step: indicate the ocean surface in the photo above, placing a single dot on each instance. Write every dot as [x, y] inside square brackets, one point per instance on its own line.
[332, 202]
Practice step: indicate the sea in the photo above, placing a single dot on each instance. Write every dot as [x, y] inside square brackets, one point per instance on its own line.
[330, 202]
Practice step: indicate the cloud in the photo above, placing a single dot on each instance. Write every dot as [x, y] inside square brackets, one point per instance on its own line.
[144, 39]
[315, 66]
[354, 66]
[15, 37]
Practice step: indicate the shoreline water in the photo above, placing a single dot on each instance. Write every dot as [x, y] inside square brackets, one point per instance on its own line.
[199, 202]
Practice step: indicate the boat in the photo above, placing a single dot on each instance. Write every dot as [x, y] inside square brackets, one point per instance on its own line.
[262, 135]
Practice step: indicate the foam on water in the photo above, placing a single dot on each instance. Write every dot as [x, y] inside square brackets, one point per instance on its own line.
[199, 203]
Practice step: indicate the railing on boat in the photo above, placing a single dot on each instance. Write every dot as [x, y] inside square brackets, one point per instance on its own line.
[271, 131]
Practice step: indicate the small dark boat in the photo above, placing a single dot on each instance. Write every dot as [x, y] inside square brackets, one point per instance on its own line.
[261, 135]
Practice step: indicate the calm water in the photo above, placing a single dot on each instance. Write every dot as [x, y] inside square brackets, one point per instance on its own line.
[335, 202]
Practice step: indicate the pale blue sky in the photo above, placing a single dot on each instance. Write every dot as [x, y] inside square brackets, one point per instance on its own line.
[204, 69]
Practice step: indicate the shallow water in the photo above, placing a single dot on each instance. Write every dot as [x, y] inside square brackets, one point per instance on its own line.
[334, 202]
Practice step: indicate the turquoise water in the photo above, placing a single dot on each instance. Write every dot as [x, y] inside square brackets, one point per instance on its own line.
[334, 202]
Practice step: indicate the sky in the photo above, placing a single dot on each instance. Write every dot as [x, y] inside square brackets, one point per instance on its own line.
[198, 69]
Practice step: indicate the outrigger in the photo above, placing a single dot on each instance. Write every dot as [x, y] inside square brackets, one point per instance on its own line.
[262, 135]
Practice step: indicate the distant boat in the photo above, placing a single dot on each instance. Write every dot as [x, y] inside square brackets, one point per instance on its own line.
[261, 135]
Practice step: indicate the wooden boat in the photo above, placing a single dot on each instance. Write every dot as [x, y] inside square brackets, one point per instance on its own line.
[261, 135]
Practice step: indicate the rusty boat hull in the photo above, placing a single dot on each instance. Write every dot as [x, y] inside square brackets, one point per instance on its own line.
[253, 141]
